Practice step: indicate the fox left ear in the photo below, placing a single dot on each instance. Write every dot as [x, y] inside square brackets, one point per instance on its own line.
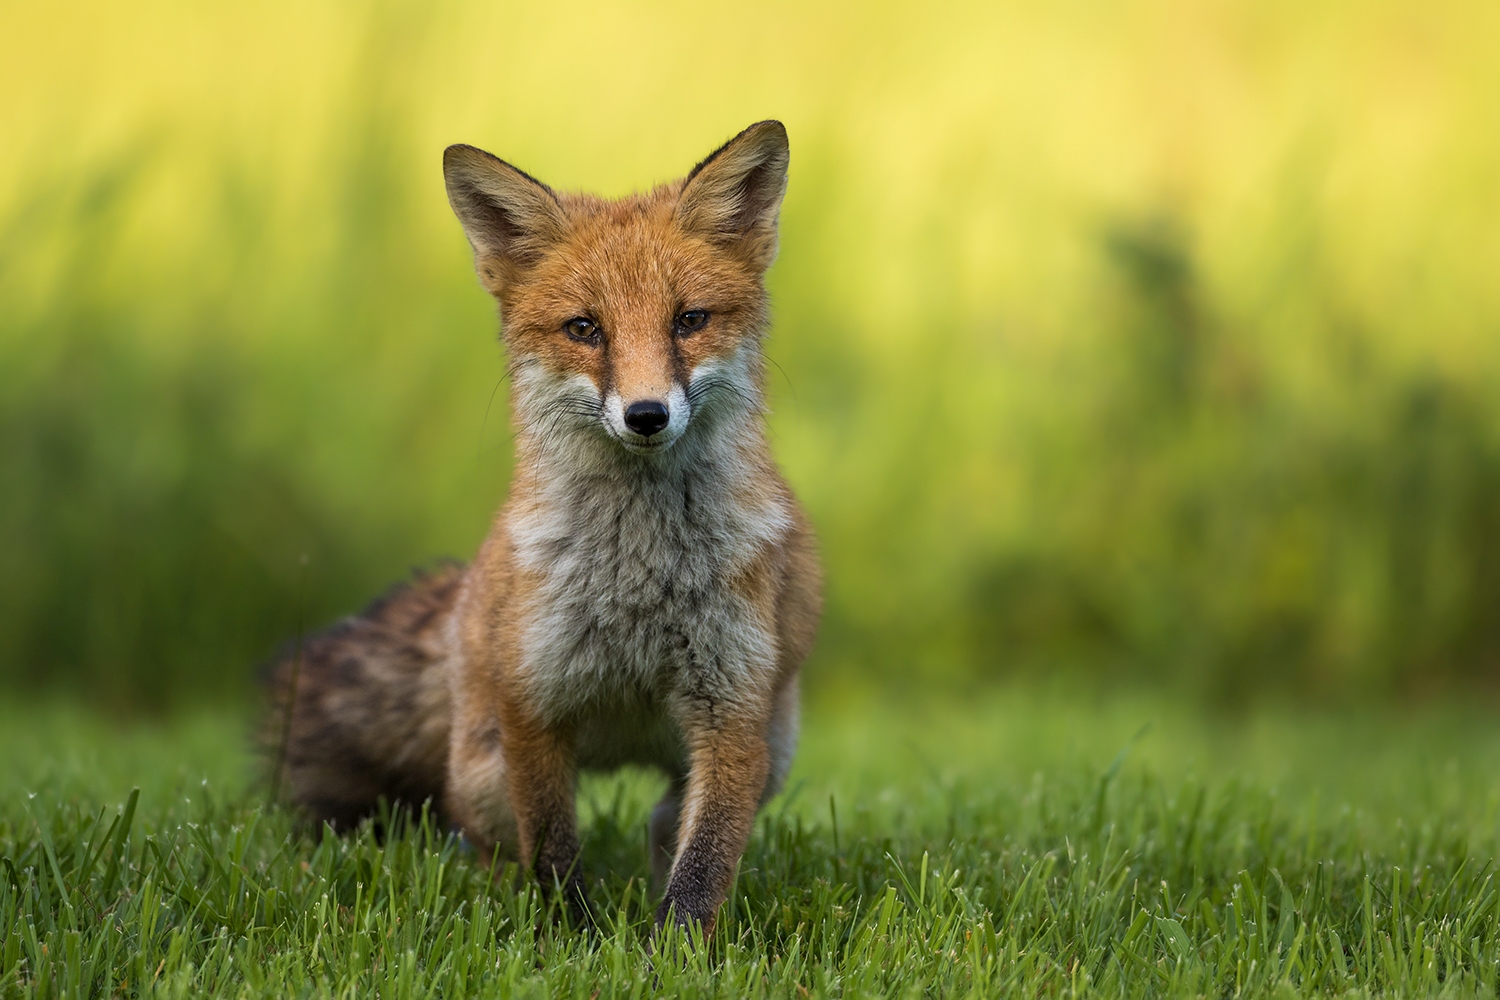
[733, 197]
[510, 217]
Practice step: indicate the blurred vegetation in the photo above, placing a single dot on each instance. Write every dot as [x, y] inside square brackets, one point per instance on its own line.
[1155, 342]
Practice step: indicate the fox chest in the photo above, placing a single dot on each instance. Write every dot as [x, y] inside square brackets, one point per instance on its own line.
[634, 604]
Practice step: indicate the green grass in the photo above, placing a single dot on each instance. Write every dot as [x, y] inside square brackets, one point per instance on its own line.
[1017, 843]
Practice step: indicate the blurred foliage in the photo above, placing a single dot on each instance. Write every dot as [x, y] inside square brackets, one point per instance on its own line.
[1156, 342]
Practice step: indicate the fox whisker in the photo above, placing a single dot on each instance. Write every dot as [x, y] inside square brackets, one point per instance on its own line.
[708, 389]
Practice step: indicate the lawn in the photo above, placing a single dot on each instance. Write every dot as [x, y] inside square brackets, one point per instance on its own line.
[1011, 842]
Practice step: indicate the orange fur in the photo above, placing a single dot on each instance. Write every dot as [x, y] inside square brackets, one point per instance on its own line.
[648, 592]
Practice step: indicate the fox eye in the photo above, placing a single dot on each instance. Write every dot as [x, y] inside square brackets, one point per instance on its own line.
[693, 319]
[583, 329]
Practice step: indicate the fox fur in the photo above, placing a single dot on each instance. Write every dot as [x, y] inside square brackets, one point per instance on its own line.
[648, 592]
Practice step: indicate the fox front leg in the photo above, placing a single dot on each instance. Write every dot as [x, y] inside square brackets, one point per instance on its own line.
[541, 778]
[661, 834]
[728, 766]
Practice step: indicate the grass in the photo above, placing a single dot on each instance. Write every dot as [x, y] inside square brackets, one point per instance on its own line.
[1017, 843]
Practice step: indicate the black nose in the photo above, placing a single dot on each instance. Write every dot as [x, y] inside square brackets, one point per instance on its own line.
[646, 417]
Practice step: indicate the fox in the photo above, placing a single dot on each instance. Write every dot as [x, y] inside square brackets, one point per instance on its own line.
[648, 591]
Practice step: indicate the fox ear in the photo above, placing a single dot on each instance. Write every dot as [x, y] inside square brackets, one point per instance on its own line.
[733, 197]
[510, 217]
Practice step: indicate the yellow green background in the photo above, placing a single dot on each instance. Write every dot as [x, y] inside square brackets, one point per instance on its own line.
[1151, 341]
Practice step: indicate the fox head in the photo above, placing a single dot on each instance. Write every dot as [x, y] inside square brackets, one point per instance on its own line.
[632, 319]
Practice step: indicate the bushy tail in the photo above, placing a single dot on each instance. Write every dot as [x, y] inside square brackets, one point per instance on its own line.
[362, 712]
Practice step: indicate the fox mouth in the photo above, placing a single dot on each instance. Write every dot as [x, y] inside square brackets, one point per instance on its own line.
[639, 445]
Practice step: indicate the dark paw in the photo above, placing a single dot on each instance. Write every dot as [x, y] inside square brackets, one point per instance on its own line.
[566, 898]
[681, 913]
[574, 910]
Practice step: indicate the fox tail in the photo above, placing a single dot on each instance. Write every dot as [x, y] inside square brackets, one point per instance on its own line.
[360, 712]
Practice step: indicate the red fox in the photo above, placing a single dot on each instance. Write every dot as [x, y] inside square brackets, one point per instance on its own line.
[647, 593]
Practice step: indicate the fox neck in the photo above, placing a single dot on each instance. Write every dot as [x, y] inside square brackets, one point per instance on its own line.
[611, 540]
[622, 532]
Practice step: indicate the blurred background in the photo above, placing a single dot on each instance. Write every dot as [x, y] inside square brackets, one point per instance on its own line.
[1150, 343]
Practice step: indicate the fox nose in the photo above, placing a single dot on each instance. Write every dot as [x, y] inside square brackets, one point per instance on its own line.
[646, 417]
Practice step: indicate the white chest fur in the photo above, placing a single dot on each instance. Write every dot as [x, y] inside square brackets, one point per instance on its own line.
[635, 605]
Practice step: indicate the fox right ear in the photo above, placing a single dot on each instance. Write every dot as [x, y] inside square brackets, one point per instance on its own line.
[734, 196]
[510, 217]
